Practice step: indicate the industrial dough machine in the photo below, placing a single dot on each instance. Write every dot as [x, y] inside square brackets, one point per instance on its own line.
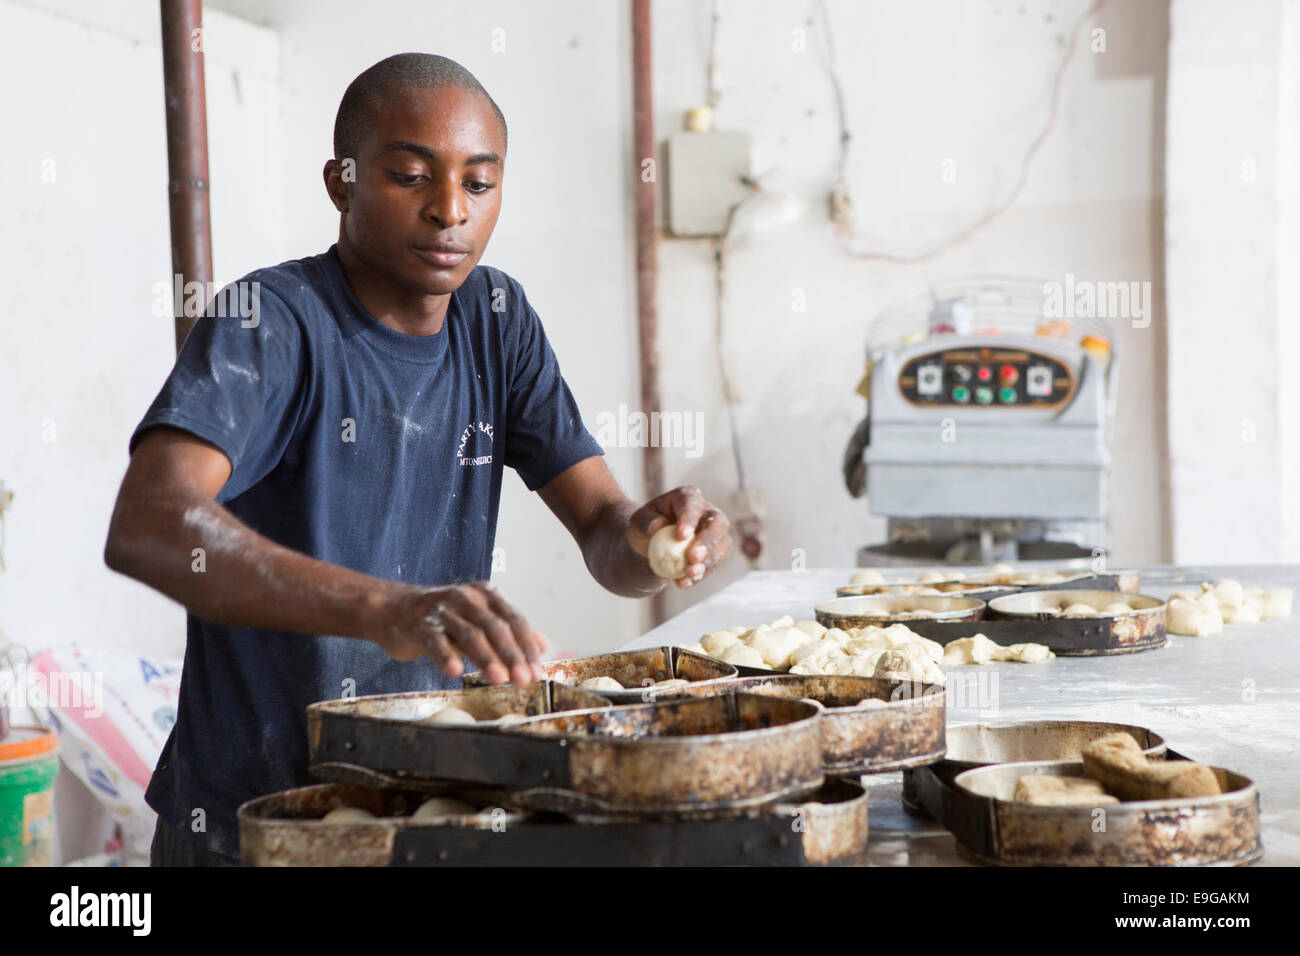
[988, 428]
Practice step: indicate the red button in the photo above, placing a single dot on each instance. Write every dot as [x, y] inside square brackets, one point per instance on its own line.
[1009, 374]
[985, 373]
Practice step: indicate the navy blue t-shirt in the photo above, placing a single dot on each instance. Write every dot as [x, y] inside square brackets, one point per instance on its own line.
[358, 445]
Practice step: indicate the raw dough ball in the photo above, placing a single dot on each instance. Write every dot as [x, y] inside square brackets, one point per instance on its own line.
[742, 655]
[672, 682]
[1230, 592]
[1246, 614]
[511, 718]
[977, 649]
[717, 642]
[785, 620]
[452, 716]
[438, 807]
[601, 683]
[1080, 610]
[898, 665]
[867, 576]
[667, 553]
[1024, 653]
[811, 628]
[1191, 618]
[1277, 604]
[1118, 607]
[928, 592]
[348, 815]
[777, 643]
[930, 577]
[1049, 791]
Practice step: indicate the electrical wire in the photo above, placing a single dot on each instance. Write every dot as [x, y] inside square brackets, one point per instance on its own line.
[1022, 180]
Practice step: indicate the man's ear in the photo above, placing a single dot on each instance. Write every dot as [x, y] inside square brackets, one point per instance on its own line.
[339, 175]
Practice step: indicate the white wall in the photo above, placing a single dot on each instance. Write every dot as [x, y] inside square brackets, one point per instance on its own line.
[86, 239]
[926, 82]
[1233, 267]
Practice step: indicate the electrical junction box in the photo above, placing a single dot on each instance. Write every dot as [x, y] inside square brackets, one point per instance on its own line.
[704, 180]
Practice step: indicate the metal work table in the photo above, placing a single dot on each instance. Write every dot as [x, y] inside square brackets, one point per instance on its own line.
[1232, 700]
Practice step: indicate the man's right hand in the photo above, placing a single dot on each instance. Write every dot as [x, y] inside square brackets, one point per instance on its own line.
[465, 620]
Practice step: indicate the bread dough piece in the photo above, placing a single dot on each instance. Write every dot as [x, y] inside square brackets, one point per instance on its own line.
[601, 683]
[718, 641]
[785, 620]
[1024, 653]
[1229, 592]
[1118, 764]
[1277, 604]
[437, 808]
[899, 665]
[976, 649]
[347, 815]
[672, 682]
[811, 628]
[1118, 607]
[742, 655]
[776, 644]
[1245, 614]
[1045, 790]
[930, 577]
[867, 576]
[1191, 618]
[511, 718]
[1080, 610]
[667, 553]
[452, 716]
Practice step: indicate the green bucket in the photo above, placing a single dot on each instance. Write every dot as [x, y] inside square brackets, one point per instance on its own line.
[29, 762]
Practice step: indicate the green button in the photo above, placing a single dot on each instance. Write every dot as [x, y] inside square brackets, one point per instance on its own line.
[1008, 395]
[984, 395]
[960, 393]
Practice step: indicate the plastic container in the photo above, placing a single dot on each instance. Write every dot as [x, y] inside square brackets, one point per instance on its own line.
[29, 762]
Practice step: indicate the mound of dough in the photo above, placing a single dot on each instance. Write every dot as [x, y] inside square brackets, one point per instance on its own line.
[436, 808]
[347, 815]
[1079, 610]
[1277, 604]
[1045, 790]
[667, 553]
[811, 628]
[1192, 618]
[742, 655]
[1024, 653]
[776, 644]
[715, 642]
[976, 649]
[601, 683]
[867, 576]
[452, 716]
[1117, 607]
[672, 682]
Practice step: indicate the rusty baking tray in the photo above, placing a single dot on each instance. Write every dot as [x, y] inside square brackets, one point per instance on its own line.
[928, 789]
[986, 589]
[829, 828]
[904, 727]
[881, 610]
[1023, 618]
[638, 671]
[1221, 830]
[691, 755]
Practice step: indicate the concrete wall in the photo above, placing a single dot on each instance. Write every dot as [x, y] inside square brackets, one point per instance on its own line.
[1234, 263]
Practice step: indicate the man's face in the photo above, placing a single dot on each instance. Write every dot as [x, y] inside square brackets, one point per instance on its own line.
[428, 188]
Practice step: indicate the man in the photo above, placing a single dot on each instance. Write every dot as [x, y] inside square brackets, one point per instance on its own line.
[319, 484]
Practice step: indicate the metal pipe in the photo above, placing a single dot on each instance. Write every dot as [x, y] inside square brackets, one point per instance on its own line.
[643, 126]
[187, 153]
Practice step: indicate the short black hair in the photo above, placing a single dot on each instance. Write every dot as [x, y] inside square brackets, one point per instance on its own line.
[402, 71]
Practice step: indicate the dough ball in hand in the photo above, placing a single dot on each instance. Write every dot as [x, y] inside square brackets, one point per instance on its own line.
[667, 553]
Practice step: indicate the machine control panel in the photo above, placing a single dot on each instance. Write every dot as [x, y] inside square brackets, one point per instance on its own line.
[986, 377]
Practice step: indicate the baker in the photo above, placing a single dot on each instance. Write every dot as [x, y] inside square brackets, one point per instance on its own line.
[319, 485]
